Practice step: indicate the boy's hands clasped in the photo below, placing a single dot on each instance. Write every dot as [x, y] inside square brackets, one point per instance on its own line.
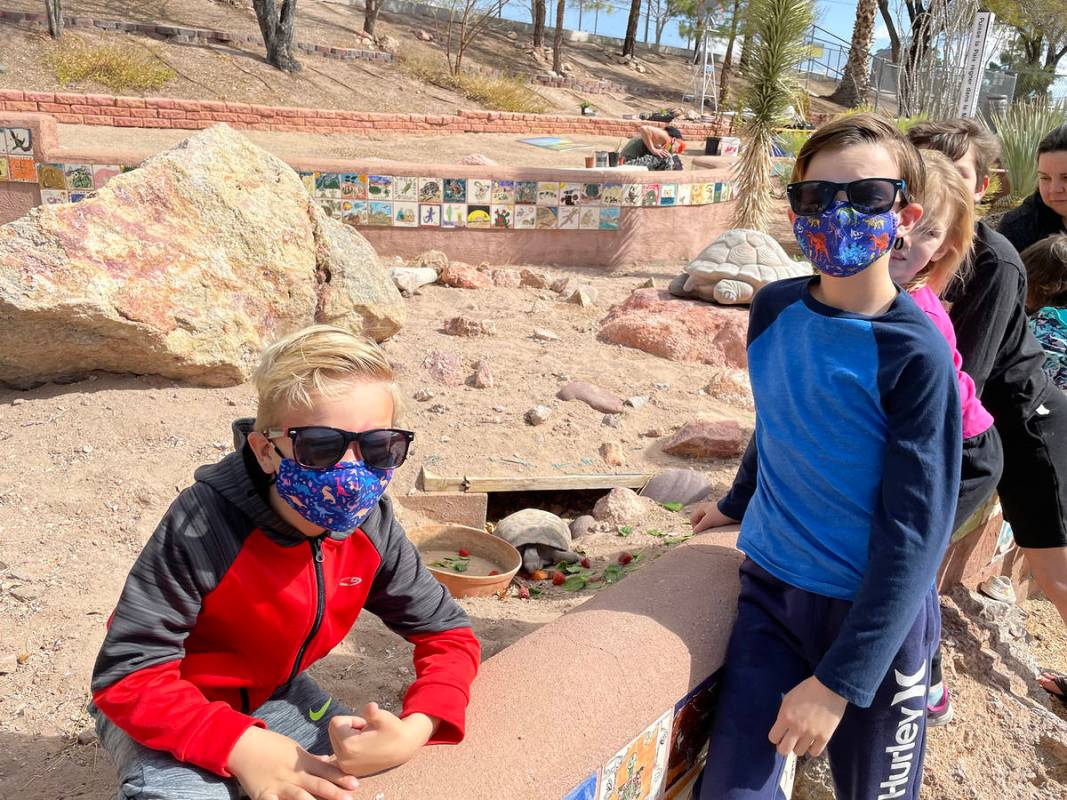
[378, 740]
[274, 767]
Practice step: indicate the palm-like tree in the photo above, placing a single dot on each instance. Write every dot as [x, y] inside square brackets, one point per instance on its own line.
[779, 28]
[856, 82]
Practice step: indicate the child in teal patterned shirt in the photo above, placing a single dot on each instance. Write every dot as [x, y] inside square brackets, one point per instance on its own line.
[1046, 301]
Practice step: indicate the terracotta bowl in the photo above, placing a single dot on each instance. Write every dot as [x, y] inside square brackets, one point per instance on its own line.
[478, 543]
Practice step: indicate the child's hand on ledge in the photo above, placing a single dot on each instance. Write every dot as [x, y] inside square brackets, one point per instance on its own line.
[270, 766]
[378, 740]
[707, 515]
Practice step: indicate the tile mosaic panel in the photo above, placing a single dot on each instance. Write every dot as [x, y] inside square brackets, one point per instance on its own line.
[327, 184]
[479, 191]
[526, 192]
[455, 190]
[693, 715]
[569, 217]
[609, 218]
[547, 193]
[668, 193]
[307, 178]
[5, 174]
[406, 189]
[405, 215]
[631, 194]
[503, 192]
[431, 190]
[380, 213]
[453, 215]
[547, 217]
[570, 194]
[696, 194]
[102, 173]
[51, 197]
[650, 194]
[77, 197]
[355, 212]
[591, 193]
[590, 218]
[79, 177]
[611, 194]
[379, 187]
[684, 196]
[353, 186]
[51, 176]
[586, 790]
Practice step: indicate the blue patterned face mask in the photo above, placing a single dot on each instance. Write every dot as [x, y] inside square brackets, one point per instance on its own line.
[843, 241]
[337, 499]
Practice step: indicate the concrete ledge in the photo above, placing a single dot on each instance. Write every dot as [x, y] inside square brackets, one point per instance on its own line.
[556, 706]
[460, 508]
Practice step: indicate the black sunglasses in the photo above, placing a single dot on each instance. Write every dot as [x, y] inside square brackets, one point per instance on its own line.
[319, 447]
[868, 195]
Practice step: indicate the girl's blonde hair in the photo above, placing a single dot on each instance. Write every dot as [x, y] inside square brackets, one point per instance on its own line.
[318, 361]
[949, 202]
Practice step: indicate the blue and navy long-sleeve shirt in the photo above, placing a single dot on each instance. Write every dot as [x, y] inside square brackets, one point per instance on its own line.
[849, 486]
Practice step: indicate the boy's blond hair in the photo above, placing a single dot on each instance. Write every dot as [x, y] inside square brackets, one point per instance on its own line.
[949, 202]
[318, 361]
[865, 128]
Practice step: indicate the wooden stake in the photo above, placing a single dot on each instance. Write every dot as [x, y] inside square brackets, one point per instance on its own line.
[429, 482]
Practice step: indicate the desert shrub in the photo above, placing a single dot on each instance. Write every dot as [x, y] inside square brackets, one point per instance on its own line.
[491, 90]
[116, 67]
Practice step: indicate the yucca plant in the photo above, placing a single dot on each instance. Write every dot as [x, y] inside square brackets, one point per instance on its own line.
[1021, 128]
[779, 28]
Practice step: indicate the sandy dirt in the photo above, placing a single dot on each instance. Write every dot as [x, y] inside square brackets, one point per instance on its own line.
[92, 465]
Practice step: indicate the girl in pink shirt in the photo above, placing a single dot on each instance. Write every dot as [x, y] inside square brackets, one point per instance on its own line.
[925, 261]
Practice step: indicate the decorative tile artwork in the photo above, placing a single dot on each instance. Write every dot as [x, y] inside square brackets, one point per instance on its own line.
[637, 771]
[363, 199]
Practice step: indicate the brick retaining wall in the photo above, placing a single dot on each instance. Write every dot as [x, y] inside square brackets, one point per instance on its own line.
[162, 112]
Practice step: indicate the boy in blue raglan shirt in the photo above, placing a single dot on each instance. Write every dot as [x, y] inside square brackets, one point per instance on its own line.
[847, 494]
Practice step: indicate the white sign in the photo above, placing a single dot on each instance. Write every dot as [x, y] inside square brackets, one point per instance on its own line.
[974, 63]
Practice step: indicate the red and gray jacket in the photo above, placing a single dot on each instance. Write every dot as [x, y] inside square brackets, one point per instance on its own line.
[228, 603]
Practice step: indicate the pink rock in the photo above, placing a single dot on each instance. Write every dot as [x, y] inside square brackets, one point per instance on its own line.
[444, 368]
[593, 396]
[708, 439]
[507, 278]
[463, 276]
[533, 279]
[465, 326]
[679, 330]
[483, 377]
[477, 160]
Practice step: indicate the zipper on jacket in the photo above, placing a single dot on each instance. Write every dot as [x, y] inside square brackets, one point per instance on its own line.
[320, 604]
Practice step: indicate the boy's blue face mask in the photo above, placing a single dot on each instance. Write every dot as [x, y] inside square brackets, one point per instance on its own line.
[842, 241]
[338, 499]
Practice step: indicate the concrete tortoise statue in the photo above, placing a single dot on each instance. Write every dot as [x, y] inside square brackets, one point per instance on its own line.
[735, 266]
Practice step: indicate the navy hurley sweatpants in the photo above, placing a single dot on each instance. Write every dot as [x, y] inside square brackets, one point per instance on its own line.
[780, 636]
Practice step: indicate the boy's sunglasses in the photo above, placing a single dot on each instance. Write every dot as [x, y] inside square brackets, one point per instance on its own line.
[868, 195]
[319, 447]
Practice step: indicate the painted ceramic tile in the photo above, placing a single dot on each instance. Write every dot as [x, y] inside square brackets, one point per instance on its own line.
[455, 190]
[380, 213]
[353, 186]
[718, 193]
[479, 216]
[453, 215]
[727, 192]
[430, 215]
[650, 194]
[19, 141]
[696, 194]
[102, 173]
[667, 193]
[693, 715]
[327, 184]
[631, 194]
[307, 178]
[526, 217]
[569, 217]
[332, 206]
[683, 789]
[128, 168]
[431, 190]
[3, 141]
[591, 193]
[406, 215]
[526, 192]
[51, 176]
[406, 189]
[379, 187]
[479, 191]
[611, 194]
[355, 212]
[586, 790]
[570, 194]
[51, 197]
[547, 217]
[503, 216]
[503, 192]
[684, 196]
[547, 193]
[4, 173]
[636, 772]
[22, 169]
[79, 177]
[609, 218]
[590, 218]
[77, 197]
[709, 193]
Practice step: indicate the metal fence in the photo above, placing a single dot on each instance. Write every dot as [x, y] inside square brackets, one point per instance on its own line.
[997, 90]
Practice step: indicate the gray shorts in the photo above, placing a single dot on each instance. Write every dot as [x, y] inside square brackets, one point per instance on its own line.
[149, 774]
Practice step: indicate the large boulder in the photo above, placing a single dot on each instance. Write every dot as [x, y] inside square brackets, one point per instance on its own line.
[680, 330]
[184, 268]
